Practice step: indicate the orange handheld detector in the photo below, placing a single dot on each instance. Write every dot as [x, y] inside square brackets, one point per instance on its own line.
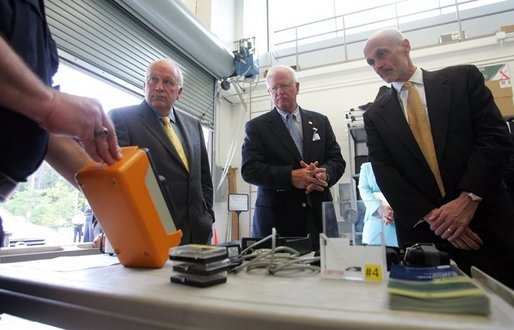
[128, 201]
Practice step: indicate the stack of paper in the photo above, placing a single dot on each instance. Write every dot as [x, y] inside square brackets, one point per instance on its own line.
[440, 289]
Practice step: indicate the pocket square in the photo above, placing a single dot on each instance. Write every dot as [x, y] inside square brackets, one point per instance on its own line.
[315, 135]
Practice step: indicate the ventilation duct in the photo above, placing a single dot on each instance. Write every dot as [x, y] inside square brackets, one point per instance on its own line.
[172, 20]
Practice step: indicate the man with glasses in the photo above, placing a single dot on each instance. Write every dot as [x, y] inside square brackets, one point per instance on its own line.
[293, 157]
[176, 146]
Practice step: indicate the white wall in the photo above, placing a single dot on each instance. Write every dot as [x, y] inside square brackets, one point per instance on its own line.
[218, 16]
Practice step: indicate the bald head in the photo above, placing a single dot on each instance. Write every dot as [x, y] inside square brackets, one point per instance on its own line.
[392, 35]
[388, 52]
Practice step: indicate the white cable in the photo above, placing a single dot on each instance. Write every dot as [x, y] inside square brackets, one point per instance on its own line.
[276, 259]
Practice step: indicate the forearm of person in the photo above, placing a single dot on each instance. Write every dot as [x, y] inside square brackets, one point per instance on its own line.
[257, 168]
[266, 175]
[367, 194]
[364, 189]
[456, 215]
[60, 113]
[66, 156]
[334, 162]
[335, 169]
[20, 90]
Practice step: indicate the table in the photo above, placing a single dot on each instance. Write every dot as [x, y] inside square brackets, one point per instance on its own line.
[83, 292]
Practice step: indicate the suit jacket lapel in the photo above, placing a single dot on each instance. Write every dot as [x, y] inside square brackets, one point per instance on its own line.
[308, 125]
[186, 134]
[394, 117]
[438, 97]
[279, 129]
[151, 121]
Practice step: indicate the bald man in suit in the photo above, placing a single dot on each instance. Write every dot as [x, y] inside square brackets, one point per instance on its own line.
[188, 180]
[462, 206]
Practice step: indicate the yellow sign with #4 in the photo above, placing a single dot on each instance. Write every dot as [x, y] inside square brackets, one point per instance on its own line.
[372, 272]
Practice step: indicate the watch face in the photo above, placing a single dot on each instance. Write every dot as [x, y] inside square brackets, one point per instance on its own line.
[474, 198]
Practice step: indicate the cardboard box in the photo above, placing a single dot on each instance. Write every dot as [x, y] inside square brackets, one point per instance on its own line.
[500, 88]
[507, 28]
[502, 93]
[505, 105]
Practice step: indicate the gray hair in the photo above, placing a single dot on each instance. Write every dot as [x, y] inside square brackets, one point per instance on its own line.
[178, 71]
[282, 68]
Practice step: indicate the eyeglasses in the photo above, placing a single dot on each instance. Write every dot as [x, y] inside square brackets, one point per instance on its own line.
[283, 87]
[167, 83]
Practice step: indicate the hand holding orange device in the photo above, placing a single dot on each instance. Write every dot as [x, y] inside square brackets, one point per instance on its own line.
[128, 201]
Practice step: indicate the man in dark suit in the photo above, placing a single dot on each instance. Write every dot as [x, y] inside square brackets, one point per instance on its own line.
[292, 180]
[188, 179]
[464, 208]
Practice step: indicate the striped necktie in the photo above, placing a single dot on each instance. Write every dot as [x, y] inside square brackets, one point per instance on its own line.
[294, 130]
[420, 127]
[175, 140]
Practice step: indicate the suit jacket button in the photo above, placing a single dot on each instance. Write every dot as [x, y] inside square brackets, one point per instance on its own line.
[304, 205]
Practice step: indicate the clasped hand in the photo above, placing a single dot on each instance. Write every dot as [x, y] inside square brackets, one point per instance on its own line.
[310, 177]
[451, 222]
[387, 214]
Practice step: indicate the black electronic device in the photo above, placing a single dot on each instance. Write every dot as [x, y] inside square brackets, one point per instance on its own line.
[199, 280]
[199, 265]
[204, 269]
[392, 256]
[425, 254]
[234, 252]
[198, 253]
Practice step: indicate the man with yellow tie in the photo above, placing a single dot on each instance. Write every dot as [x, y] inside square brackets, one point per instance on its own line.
[176, 145]
[439, 147]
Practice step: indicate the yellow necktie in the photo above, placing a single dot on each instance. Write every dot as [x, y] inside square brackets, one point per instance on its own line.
[420, 128]
[175, 140]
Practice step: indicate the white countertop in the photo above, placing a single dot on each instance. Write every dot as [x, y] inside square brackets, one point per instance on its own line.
[97, 291]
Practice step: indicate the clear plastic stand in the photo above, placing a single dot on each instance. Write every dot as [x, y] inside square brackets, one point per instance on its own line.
[342, 255]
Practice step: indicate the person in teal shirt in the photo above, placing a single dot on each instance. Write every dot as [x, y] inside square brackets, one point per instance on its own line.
[378, 211]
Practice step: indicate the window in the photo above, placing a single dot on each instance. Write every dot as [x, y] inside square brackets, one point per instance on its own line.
[76, 82]
[291, 21]
[47, 199]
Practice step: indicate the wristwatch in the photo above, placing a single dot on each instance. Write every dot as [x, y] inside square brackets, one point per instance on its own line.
[474, 197]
